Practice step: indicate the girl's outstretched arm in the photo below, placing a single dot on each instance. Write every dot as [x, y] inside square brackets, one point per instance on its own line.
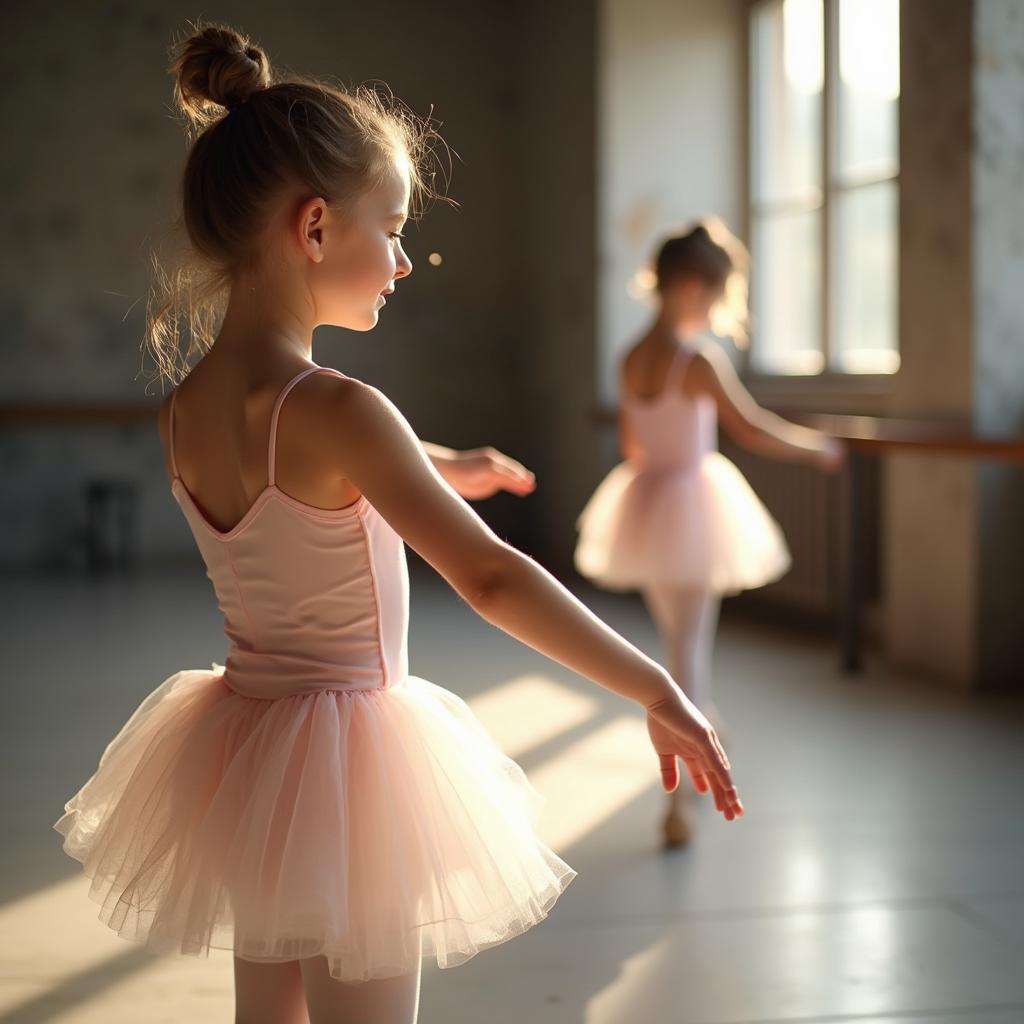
[756, 428]
[480, 472]
[378, 452]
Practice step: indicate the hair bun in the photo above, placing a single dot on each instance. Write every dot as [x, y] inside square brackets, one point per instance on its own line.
[701, 231]
[217, 67]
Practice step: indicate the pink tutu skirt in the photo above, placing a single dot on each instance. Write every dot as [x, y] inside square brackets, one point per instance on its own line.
[700, 527]
[372, 827]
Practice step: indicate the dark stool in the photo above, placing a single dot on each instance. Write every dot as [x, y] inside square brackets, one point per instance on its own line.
[110, 523]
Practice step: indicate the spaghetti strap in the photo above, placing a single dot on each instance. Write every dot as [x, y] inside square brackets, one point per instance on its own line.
[676, 367]
[681, 359]
[272, 443]
[170, 434]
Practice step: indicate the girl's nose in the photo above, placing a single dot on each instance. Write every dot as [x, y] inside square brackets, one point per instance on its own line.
[403, 265]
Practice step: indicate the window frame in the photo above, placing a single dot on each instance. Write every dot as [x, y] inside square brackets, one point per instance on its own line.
[830, 381]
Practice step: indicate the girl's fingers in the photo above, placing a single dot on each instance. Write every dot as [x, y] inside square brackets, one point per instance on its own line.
[697, 776]
[730, 804]
[706, 763]
[716, 755]
[669, 772]
[716, 789]
[719, 782]
[723, 756]
[509, 467]
[522, 473]
[722, 801]
[514, 477]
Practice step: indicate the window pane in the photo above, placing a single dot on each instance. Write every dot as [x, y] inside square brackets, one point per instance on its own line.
[865, 280]
[868, 88]
[787, 75]
[786, 293]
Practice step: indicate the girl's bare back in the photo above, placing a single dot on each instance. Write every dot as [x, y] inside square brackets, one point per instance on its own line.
[222, 426]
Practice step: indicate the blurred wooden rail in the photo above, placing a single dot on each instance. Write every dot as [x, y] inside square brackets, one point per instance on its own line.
[54, 414]
[873, 437]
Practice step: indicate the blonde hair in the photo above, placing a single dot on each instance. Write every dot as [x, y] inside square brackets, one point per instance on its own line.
[252, 134]
[707, 250]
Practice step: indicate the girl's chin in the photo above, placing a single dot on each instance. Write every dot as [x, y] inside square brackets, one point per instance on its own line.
[365, 321]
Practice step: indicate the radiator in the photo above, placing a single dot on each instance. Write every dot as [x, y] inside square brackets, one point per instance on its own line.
[810, 508]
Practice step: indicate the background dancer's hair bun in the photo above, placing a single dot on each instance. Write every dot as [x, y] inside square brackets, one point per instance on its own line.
[707, 250]
[217, 69]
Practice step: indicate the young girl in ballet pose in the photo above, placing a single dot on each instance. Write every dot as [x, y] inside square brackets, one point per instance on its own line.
[310, 805]
[676, 520]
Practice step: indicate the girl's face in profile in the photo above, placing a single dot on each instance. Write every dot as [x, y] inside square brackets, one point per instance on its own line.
[361, 255]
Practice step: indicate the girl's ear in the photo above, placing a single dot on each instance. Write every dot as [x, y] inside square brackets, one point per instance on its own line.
[311, 220]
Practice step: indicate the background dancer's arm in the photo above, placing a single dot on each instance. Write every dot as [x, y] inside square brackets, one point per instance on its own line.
[755, 428]
[480, 472]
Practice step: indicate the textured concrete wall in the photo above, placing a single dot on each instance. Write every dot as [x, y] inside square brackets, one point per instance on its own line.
[998, 378]
[87, 174]
[929, 572]
[954, 580]
[557, 204]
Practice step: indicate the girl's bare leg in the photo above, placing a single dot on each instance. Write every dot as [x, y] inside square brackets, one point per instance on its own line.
[269, 993]
[378, 1001]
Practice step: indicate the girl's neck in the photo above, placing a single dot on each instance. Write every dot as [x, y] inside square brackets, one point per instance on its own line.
[668, 328]
[263, 323]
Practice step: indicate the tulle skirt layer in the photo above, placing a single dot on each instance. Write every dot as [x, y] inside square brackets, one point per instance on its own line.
[369, 826]
[700, 527]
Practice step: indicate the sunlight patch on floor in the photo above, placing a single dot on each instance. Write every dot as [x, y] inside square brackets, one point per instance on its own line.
[529, 710]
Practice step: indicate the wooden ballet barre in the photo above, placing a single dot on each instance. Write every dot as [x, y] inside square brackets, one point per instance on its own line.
[59, 414]
[106, 498]
[874, 437]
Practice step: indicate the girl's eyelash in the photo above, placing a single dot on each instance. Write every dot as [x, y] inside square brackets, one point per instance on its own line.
[397, 234]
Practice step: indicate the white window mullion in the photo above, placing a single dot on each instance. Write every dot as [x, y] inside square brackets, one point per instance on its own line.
[829, 129]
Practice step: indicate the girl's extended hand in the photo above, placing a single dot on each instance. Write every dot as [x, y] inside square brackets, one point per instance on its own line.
[832, 456]
[480, 472]
[678, 729]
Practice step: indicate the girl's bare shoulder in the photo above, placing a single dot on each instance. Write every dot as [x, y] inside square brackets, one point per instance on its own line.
[709, 361]
[637, 353]
[343, 410]
[640, 367]
[711, 371]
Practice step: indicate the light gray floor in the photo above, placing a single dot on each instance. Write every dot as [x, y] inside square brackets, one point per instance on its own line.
[877, 875]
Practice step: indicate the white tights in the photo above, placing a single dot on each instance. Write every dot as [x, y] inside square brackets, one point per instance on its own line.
[303, 992]
[686, 620]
